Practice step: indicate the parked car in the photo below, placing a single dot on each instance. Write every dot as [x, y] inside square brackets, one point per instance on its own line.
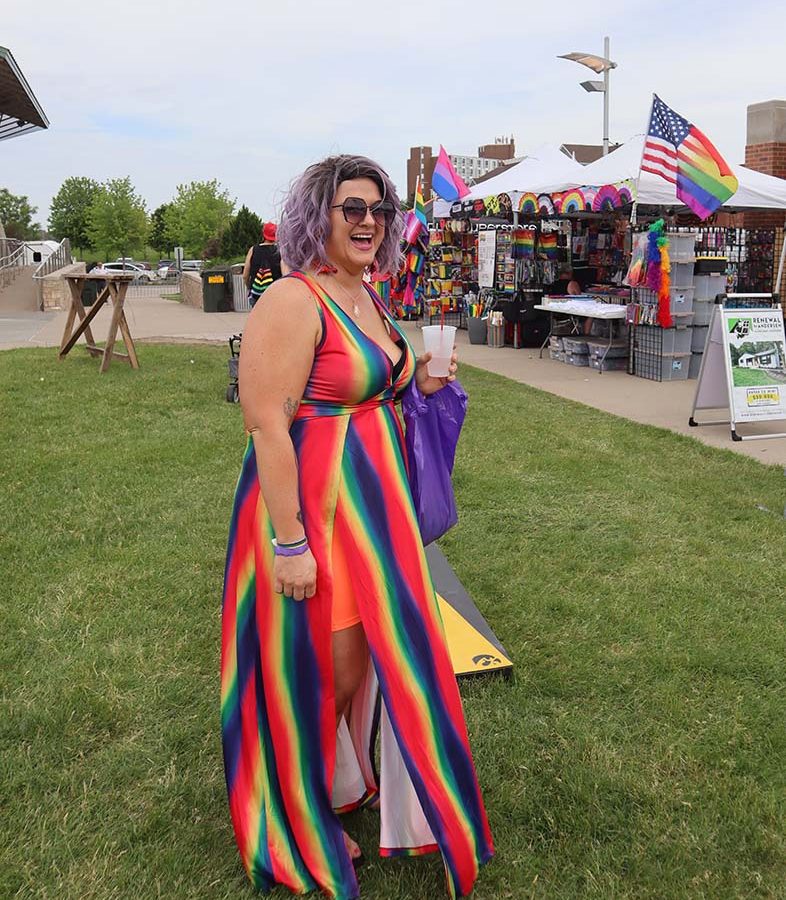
[167, 270]
[141, 275]
[192, 265]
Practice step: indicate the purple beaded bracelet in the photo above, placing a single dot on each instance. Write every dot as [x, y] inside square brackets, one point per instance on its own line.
[299, 550]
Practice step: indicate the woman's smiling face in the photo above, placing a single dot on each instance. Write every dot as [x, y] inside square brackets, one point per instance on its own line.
[353, 247]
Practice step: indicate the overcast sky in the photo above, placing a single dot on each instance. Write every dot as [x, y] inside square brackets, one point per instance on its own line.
[251, 92]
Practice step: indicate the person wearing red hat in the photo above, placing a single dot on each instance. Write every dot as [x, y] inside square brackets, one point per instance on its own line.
[263, 264]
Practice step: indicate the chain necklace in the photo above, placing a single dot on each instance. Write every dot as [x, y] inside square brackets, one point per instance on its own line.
[352, 299]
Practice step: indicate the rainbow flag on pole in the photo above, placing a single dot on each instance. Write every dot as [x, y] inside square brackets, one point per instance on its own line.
[416, 219]
[446, 182]
[682, 155]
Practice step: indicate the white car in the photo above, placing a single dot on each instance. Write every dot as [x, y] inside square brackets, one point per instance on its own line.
[141, 275]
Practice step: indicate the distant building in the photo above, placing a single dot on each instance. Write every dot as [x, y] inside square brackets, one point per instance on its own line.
[422, 160]
[585, 153]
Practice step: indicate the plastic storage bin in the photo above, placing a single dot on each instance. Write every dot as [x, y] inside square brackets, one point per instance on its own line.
[618, 349]
[682, 246]
[682, 274]
[680, 298]
[699, 338]
[694, 365]
[610, 364]
[559, 355]
[672, 366]
[674, 340]
[702, 312]
[555, 342]
[575, 345]
[709, 286]
[576, 359]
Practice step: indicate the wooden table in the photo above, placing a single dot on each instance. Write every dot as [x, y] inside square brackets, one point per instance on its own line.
[115, 287]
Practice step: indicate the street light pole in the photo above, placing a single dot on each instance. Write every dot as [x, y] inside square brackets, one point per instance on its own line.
[601, 65]
[606, 99]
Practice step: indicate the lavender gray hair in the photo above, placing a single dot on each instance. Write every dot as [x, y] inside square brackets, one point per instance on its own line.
[305, 220]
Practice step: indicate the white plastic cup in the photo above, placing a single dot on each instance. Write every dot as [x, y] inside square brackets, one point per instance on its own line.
[439, 339]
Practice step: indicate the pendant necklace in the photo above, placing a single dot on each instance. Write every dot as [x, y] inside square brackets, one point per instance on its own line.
[353, 300]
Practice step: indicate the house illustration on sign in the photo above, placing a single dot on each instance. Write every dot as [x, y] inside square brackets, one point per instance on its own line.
[766, 359]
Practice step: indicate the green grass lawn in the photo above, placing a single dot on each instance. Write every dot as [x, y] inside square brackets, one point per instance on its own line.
[635, 577]
[751, 377]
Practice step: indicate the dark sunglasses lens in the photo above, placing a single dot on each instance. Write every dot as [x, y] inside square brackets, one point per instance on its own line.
[384, 213]
[354, 210]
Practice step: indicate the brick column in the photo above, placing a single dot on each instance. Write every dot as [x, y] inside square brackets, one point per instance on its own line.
[765, 151]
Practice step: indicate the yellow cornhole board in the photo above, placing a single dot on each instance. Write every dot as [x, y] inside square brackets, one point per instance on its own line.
[472, 645]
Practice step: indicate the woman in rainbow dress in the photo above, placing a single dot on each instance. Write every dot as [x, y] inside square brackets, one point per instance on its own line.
[328, 602]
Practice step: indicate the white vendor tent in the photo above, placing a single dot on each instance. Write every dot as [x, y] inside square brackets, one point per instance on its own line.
[756, 190]
[544, 170]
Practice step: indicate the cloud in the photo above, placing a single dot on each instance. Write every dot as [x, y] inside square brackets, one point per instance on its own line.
[250, 93]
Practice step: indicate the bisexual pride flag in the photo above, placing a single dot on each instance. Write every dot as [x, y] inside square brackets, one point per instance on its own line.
[446, 182]
[682, 155]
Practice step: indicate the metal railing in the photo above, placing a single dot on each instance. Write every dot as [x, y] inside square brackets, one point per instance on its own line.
[12, 259]
[60, 258]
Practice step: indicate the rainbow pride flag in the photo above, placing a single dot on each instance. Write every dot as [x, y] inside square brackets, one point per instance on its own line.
[446, 182]
[416, 220]
[682, 155]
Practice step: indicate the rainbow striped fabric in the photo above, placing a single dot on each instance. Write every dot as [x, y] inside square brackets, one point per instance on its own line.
[682, 155]
[277, 707]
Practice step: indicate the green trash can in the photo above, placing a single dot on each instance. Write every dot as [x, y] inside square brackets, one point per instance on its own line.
[217, 290]
[90, 292]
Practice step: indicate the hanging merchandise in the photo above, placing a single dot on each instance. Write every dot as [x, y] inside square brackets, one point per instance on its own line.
[548, 246]
[524, 243]
[637, 271]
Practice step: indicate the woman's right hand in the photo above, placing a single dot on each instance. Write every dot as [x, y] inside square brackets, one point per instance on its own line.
[295, 576]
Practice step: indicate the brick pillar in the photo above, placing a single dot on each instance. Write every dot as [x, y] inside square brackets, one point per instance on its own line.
[765, 151]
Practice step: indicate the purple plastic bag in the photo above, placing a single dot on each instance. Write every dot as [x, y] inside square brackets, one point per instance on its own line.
[433, 426]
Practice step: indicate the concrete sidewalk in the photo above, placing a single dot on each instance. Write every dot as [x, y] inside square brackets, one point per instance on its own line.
[663, 404]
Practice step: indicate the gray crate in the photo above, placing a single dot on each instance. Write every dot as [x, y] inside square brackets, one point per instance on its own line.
[702, 312]
[674, 340]
[695, 365]
[672, 366]
[699, 338]
[598, 348]
[555, 342]
[709, 286]
[576, 359]
[559, 355]
[682, 274]
[575, 345]
[610, 364]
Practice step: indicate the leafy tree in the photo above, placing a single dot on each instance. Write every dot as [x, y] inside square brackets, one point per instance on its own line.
[117, 219]
[158, 234]
[200, 211]
[16, 214]
[243, 231]
[70, 210]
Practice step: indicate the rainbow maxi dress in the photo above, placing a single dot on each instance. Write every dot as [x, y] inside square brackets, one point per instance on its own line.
[287, 771]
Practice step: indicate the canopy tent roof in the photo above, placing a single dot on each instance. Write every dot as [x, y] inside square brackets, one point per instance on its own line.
[756, 190]
[20, 112]
[543, 170]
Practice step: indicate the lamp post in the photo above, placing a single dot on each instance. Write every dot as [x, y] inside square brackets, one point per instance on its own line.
[601, 65]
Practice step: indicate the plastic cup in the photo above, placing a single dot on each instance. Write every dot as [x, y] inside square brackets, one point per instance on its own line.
[439, 339]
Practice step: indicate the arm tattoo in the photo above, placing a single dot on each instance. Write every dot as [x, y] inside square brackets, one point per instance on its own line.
[290, 408]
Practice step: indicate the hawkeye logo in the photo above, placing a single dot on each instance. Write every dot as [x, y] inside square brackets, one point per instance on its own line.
[740, 327]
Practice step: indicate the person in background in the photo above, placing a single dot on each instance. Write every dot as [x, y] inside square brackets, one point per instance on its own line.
[573, 287]
[263, 264]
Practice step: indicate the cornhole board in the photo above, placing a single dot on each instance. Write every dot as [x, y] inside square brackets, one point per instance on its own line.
[472, 644]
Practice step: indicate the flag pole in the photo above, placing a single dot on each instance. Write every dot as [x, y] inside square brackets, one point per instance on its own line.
[641, 161]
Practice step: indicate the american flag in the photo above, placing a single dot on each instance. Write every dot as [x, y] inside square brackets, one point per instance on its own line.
[680, 153]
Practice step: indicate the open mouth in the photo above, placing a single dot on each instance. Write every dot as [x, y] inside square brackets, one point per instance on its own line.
[362, 241]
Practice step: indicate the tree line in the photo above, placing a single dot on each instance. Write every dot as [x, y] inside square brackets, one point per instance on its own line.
[111, 219]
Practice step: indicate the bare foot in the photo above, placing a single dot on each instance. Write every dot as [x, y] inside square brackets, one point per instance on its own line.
[354, 850]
